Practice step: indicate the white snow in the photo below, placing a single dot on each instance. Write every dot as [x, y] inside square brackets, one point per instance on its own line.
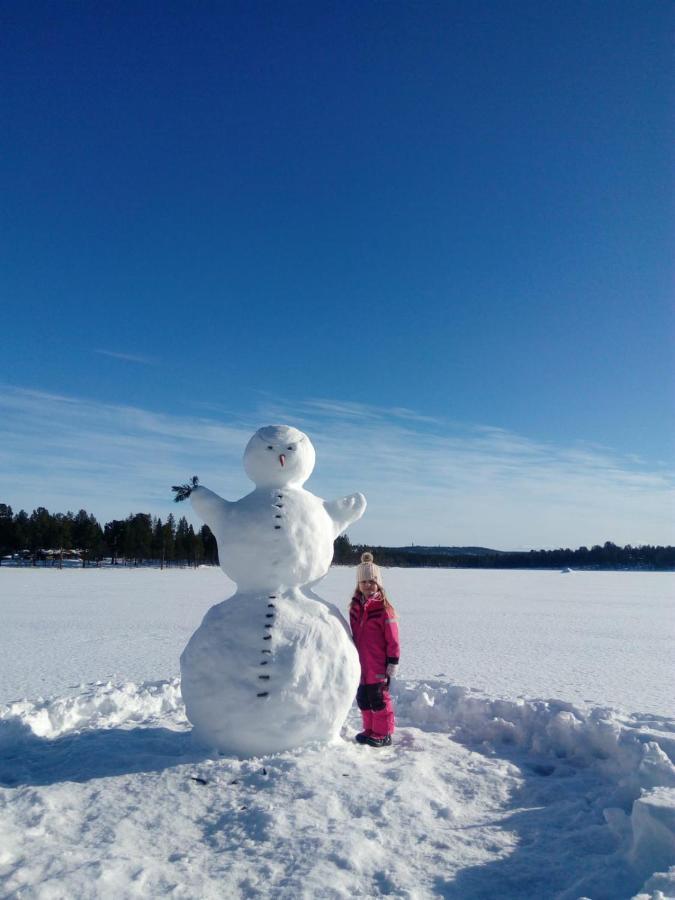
[484, 793]
[249, 692]
[274, 666]
[603, 638]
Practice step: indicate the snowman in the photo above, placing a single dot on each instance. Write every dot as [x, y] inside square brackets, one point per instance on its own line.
[274, 666]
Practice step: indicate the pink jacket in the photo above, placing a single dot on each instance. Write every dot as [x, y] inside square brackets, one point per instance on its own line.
[375, 632]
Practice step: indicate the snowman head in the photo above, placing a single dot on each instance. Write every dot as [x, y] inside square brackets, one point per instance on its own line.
[279, 455]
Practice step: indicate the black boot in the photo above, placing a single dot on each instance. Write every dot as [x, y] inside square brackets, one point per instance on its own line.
[362, 737]
[378, 741]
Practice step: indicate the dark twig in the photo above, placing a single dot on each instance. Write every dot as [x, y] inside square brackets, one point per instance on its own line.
[183, 491]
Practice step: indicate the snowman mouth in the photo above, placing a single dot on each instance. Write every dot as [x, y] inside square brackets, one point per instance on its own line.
[282, 460]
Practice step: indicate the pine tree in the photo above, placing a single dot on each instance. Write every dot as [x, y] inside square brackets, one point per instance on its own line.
[157, 548]
[7, 531]
[87, 536]
[182, 543]
[22, 531]
[113, 534]
[64, 532]
[169, 538]
[42, 533]
[343, 552]
[210, 546]
[138, 537]
[196, 550]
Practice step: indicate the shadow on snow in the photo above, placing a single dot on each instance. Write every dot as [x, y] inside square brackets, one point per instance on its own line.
[564, 848]
[27, 759]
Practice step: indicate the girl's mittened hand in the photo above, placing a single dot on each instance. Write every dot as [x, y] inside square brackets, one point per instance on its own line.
[392, 669]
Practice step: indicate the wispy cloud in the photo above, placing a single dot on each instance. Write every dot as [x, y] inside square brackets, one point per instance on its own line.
[66, 452]
[128, 357]
[427, 480]
[437, 482]
[364, 412]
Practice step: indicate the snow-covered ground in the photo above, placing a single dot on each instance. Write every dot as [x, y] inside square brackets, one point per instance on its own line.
[483, 794]
[596, 637]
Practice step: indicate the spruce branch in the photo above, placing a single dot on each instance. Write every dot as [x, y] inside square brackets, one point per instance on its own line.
[183, 491]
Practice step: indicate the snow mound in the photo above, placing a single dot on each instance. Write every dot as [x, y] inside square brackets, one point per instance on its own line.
[616, 744]
[102, 705]
[634, 754]
[541, 797]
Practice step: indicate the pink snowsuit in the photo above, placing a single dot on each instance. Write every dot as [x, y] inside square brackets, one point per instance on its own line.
[375, 632]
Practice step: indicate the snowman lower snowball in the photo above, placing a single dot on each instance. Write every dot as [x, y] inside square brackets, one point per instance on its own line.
[272, 667]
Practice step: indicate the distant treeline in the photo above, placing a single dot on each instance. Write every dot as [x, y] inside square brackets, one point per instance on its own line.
[51, 538]
[607, 556]
[140, 538]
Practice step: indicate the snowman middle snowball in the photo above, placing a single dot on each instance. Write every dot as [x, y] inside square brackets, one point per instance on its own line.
[274, 666]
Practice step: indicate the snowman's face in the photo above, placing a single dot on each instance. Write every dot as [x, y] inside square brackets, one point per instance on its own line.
[279, 455]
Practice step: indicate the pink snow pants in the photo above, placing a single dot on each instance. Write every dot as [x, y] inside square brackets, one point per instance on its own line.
[377, 711]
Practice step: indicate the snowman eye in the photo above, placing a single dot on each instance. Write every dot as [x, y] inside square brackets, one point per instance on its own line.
[270, 448]
[290, 448]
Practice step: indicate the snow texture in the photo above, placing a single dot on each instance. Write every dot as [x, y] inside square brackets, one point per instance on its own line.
[104, 794]
[274, 666]
[595, 639]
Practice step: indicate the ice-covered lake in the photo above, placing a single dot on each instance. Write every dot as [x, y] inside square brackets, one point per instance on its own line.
[104, 794]
[603, 638]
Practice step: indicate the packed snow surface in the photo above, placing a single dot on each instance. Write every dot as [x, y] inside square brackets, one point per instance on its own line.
[603, 638]
[484, 793]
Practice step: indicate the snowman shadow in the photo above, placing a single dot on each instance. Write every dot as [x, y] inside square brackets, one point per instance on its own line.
[27, 759]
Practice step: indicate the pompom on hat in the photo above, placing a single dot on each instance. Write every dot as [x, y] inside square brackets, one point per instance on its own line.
[367, 570]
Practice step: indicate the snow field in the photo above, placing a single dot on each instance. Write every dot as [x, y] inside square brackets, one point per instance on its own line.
[293, 825]
[105, 795]
[597, 638]
[483, 794]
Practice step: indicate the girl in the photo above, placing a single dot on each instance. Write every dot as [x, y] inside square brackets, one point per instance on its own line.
[375, 632]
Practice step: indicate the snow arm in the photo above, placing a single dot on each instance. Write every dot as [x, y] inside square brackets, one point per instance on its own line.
[346, 511]
[209, 506]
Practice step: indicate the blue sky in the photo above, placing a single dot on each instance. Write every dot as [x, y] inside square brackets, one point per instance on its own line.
[435, 236]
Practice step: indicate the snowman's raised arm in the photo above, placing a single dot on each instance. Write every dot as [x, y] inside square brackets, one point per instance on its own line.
[346, 511]
[209, 506]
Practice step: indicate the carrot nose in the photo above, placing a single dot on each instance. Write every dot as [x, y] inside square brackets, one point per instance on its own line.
[282, 460]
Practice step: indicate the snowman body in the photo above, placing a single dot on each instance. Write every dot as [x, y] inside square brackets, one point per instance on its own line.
[274, 666]
[266, 672]
[274, 537]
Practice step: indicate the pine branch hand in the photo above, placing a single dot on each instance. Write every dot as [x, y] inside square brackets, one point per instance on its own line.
[183, 491]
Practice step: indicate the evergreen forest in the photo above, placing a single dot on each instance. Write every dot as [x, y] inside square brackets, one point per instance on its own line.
[44, 538]
[140, 539]
[606, 556]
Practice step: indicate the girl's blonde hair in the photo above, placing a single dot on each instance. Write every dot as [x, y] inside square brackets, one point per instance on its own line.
[387, 602]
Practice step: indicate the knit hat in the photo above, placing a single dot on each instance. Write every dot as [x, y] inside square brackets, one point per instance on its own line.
[367, 570]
